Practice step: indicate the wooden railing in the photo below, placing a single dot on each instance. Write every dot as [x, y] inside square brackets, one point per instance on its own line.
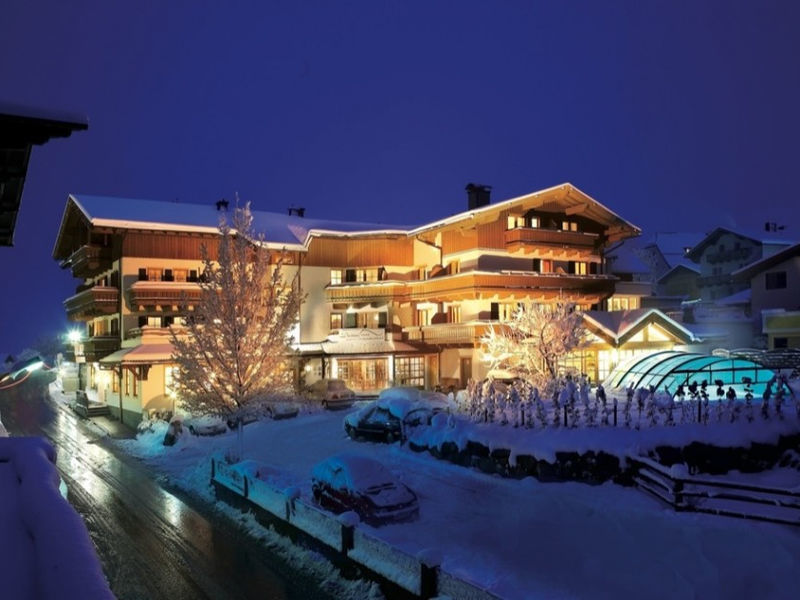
[529, 235]
[446, 333]
[97, 300]
[89, 260]
[716, 496]
[151, 293]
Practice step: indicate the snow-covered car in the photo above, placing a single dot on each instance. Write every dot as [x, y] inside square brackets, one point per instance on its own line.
[394, 412]
[354, 482]
[331, 393]
[205, 425]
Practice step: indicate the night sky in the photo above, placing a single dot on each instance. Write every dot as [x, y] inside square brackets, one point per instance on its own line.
[679, 116]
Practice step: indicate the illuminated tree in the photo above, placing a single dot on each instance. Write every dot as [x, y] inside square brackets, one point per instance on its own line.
[534, 342]
[233, 353]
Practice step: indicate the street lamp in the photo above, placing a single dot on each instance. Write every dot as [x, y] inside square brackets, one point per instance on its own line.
[74, 336]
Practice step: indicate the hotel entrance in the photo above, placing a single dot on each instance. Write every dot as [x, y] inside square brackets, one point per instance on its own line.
[365, 374]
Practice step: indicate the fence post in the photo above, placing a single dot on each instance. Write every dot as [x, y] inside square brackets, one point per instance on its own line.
[699, 411]
[348, 538]
[565, 415]
[429, 563]
[677, 494]
[615, 412]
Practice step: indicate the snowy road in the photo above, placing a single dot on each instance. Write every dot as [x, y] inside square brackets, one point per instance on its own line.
[525, 539]
[151, 543]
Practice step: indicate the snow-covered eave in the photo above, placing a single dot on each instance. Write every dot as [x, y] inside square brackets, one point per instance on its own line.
[756, 267]
[511, 202]
[316, 232]
[616, 336]
[675, 269]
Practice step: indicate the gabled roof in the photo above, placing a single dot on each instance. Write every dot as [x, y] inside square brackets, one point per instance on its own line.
[619, 325]
[683, 266]
[754, 268]
[565, 196]
[279, 229]
[758, 237]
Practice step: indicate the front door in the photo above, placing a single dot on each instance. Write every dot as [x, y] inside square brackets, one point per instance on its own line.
[466, 371]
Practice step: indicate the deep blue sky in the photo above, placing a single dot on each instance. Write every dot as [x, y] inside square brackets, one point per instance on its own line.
[676, 115]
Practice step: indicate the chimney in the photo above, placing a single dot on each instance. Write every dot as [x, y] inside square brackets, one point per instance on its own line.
[300, 212]
[222, 205]
[477, 195]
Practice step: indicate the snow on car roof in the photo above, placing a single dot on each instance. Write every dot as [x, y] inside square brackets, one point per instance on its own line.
[360, 472]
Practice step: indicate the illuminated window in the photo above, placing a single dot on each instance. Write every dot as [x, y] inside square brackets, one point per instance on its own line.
[180, 274]
[543, 265]
[336, 276]
[114, 382]
[127, 382]
[336, 320]
[423, 317]
[534, 222]
[515, 221]
[410, 370]
[155, 274]
[569, 226]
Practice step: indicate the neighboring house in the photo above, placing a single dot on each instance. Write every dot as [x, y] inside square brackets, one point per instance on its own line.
[383, 305]
[774, 290]
[724, 251]
[653, 272]
[20, 129]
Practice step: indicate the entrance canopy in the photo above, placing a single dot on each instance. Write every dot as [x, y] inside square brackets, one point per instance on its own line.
[666, 370]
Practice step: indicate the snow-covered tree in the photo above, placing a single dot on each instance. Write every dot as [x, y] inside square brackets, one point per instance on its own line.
[534, 341]
[233, 351]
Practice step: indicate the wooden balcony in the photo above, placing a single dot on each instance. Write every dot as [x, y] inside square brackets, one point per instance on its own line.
[92, 302]
[585, 289]
[89, 260]
[513, 285]
[528, 238]
[95, 348]
[368, 291]
[165, 294]
[447, 333]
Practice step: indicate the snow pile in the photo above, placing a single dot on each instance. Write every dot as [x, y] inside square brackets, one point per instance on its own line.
[45, 549]
[523, 538]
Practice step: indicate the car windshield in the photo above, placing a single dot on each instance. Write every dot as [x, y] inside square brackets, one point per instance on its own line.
[335, 384]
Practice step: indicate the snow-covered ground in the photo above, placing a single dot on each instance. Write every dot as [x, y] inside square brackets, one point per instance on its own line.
[522, 538]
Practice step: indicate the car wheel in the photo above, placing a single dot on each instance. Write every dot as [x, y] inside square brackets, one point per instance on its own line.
[191, 430]
[390, 437]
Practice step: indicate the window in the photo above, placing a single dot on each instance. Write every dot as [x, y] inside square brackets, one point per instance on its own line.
[780, 342]
[454, 313]
[569, 226]
[127, 382]
[153, 322]
[336, 276]
[180, 275]
[170, 380]
[349, 320]
[535, 222]
[115, 382]
[336, 320]
[423, 317]
[135, 381]
[154, 274]
[578, 267]
[410, 370]
[515, 221]
[502, 311]
[776, 281]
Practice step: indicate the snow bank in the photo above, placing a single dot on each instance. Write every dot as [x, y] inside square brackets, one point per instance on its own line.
[46, 552]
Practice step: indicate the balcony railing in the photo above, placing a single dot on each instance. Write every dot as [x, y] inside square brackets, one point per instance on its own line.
[89, 260]
[92, 302]
[163, 293]
[447, 333]
[471, 284]
[96, 348]
[156, 333]
[521, 236]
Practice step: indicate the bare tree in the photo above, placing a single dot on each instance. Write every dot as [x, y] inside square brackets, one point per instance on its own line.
[534, 342]
[234, 350]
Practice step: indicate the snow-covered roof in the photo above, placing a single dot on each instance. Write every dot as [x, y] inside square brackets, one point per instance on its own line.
[762, 237]
[141, 354]
[277, 228]
[681, 266]
[754, 268]
[618, 323]
[742, 297]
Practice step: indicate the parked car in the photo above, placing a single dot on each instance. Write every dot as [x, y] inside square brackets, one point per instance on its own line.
[354, 482]
[393, 413]
[331, 393]
[205, 425]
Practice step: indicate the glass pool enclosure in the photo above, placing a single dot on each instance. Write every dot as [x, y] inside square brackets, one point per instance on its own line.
[666, 370]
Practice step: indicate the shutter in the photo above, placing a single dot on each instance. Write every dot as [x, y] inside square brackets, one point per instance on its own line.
[142, 274]
[495, 311]
[350, 275]
[592, 268]
[537, 265]
[350, 319]
[571, 267]
[382, 319]
[193, 275]
[142, 321]
[168, 321]
[168, 275]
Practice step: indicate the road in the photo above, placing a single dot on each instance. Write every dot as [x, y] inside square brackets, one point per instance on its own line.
[151, 543]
